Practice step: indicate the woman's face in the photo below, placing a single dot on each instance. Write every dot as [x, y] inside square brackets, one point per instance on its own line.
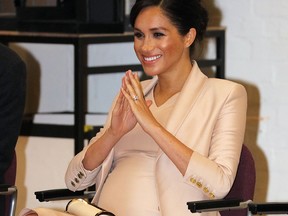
[158, 44]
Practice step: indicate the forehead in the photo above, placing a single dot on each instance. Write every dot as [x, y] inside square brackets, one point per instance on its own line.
[152, 17]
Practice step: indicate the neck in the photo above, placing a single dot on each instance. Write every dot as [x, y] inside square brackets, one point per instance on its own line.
[173, 82]
[168, 85]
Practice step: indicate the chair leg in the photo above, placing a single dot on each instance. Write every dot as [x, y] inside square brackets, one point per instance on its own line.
[13, 200]
[12, 194]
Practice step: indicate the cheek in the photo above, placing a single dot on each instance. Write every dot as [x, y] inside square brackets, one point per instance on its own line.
[137, 45]
[136, 50]
[170, 48]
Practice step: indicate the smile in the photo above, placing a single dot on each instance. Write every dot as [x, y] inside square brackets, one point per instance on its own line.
[153, 58]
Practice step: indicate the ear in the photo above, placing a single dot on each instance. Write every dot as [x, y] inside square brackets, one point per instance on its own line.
[190, 37]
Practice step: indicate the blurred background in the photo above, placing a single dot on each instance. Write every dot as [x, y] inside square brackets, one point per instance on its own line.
[256, 56]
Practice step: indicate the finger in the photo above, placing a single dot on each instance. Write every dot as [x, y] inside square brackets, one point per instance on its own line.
[149, 103]
[135, 83]
[119, 101]
[134, 79]
[125, 84]
[130, 90]
[127, 96]
[124, 89]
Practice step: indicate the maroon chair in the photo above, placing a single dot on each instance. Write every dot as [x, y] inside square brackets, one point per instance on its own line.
[242, 190]
[244, 184]
[9, 189]
[10, 175]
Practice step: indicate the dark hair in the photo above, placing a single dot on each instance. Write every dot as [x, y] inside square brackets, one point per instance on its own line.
[184, 14]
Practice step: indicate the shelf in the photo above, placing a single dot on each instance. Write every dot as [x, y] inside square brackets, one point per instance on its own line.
[59, 125]
[81, 71]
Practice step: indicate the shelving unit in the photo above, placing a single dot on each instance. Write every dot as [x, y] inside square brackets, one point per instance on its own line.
[81, 72]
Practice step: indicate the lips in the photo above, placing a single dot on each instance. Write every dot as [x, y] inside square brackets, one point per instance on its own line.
[152, 58]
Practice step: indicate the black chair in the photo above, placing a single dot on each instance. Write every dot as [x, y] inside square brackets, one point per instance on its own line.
[232, 206]
[12, 103]
[268, 208]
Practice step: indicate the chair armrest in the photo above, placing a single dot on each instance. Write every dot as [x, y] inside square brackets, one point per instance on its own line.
[62, 194]
[216, 205]
[269, 208]
[10, 190]
[4, 187]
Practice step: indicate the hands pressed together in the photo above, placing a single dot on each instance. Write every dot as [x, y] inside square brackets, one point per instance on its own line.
[131, 107]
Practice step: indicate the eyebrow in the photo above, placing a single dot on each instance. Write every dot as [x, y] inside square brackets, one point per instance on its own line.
[153, 29]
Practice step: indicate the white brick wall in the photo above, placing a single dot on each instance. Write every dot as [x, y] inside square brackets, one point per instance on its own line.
[257, 56]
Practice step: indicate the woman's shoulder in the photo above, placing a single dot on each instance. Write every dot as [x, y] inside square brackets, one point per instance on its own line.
[223, 82]
[224, 85]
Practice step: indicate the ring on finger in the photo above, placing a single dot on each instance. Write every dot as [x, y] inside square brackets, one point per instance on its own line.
[135, 97]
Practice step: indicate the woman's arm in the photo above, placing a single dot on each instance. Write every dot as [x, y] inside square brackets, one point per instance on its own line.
[179, 153]
[85, 166]
[230, 125]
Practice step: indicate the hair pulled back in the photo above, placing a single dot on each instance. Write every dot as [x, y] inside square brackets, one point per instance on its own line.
[183, 14]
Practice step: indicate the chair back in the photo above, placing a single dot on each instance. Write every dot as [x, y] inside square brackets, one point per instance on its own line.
[10, 174]
[244, 184]
[9, 195]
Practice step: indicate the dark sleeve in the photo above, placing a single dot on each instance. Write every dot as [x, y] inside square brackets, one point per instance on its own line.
[12, 102]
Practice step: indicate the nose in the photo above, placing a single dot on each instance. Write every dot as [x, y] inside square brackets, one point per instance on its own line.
[147, 45]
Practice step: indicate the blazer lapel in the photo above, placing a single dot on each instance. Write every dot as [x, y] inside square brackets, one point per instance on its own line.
[189, 94]
[149, 86]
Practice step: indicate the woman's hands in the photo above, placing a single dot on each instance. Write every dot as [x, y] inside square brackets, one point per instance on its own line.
[131, 107]
[132, 90]
[123, 119]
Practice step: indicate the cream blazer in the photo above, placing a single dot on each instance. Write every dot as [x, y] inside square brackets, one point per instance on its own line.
[209, 117]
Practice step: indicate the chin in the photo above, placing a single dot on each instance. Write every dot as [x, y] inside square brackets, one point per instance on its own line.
[150, 71]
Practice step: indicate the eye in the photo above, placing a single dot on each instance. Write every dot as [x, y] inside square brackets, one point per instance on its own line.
[138, 34]
[158, 35]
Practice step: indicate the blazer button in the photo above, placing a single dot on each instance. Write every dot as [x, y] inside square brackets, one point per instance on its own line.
[193, 180]
[212, 196]
[206, 190]
[76, 180]
[199, 184]
[80, 175]
[72, 183]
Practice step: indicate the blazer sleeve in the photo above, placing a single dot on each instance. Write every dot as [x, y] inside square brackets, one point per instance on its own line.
[79, 178]
[214, 172]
